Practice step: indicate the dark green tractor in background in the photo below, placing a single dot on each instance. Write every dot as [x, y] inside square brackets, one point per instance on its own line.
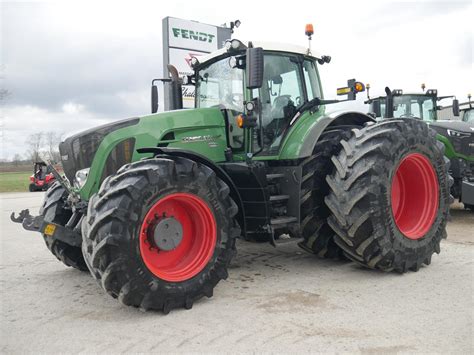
[456, 135]
[153, 205]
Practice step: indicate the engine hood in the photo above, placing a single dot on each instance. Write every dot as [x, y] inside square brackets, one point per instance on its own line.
[454, 125]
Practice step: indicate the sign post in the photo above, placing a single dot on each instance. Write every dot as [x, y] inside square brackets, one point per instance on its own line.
[184, 39]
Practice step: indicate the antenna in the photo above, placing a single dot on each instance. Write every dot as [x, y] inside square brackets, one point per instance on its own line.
[423, 86]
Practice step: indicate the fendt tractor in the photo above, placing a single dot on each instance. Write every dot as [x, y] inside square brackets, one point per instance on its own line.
[152, 205]
[456, 135]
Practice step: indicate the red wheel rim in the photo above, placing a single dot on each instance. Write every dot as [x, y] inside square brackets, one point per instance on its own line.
[199, 235]
[414, 196]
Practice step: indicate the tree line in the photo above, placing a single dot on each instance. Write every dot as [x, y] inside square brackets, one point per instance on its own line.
[41, 144]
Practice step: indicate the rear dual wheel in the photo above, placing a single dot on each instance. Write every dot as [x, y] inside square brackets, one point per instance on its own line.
[389, 195]
[160, 233]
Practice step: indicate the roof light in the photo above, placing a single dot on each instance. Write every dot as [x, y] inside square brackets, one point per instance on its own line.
[433, 92]
[309, 31]
[194, 62]
[233, 45]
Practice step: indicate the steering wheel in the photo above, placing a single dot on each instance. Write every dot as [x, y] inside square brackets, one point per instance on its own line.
[407, 115]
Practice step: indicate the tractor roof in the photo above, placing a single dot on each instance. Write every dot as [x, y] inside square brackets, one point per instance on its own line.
[267, 46]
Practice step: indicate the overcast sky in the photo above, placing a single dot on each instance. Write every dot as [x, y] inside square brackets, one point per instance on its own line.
[73, 65]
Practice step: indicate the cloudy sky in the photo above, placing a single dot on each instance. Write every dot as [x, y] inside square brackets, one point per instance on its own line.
[73, 65]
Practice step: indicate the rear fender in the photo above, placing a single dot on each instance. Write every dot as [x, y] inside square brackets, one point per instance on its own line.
[313, 128]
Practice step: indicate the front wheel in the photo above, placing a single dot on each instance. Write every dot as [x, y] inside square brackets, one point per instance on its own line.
[54, 210]
[160, 233]
[389, 195]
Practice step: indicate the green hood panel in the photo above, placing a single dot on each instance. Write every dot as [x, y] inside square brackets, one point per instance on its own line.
[199, 130]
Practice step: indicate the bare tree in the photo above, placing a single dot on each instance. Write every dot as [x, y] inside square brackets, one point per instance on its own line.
[35, 142]
[52, 140]
[16, 159]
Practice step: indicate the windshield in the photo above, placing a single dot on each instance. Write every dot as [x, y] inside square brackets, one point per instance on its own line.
[468, 116]
[419, 106]
[220, 84]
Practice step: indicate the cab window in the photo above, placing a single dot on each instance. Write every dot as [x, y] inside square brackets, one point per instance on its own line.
[281, 95]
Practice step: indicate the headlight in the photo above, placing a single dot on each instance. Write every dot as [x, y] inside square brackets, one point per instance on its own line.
[81, 178]
[458, 134]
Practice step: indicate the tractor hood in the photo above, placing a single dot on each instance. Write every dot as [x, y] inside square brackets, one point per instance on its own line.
[458, 138]
[106, 148]
[453, 125]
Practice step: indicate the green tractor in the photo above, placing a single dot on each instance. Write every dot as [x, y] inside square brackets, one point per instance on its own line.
[152, 206]
[456, 135]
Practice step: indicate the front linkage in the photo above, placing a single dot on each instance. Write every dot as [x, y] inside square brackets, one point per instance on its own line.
[53, 230]
[59, 220]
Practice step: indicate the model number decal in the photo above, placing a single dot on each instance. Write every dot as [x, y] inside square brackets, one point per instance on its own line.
[210, 139]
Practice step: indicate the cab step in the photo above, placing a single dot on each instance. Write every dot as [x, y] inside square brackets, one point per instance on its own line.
[274, 176]
[276, 198]
[282, 221]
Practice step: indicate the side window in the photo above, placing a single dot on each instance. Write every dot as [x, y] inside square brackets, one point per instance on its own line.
[428, 110]
[311, 79]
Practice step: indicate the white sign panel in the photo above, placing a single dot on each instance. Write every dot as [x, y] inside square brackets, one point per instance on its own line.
[192, 35]
[181, 58]
[184, 39]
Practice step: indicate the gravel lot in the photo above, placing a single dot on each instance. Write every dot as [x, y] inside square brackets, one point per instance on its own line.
[276, 299]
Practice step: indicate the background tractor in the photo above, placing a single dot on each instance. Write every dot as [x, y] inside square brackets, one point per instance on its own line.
[42, 178]
[153, 205]
[456, 135]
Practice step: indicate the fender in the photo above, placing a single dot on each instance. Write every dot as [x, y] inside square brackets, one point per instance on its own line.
[316, 127]
[234, 193]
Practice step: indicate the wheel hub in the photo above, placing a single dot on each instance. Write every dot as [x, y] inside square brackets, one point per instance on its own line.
[168, 234]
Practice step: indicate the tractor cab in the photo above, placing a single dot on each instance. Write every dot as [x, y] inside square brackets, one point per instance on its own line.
[468, 116]
[262, 90]
[468, 112]
[42, 177]
[289, 79]
[409, 105]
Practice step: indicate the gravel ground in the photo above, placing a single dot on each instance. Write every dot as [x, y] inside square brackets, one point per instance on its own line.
[276, 300]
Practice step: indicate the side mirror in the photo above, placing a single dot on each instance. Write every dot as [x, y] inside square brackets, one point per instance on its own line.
[456, 107]
[154, 98]
[376, 108]
[254, 68]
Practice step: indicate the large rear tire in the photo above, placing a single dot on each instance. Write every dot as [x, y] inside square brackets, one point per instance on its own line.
[54, 210]
[129, 252]
[318, 236]
[390, 195]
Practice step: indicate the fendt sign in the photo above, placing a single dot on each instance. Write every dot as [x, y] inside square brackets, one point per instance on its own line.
[192, 35]
[184, 39]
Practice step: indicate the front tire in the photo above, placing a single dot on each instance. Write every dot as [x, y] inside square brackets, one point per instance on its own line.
[390, 196]
[54, 210]
[160, 233]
